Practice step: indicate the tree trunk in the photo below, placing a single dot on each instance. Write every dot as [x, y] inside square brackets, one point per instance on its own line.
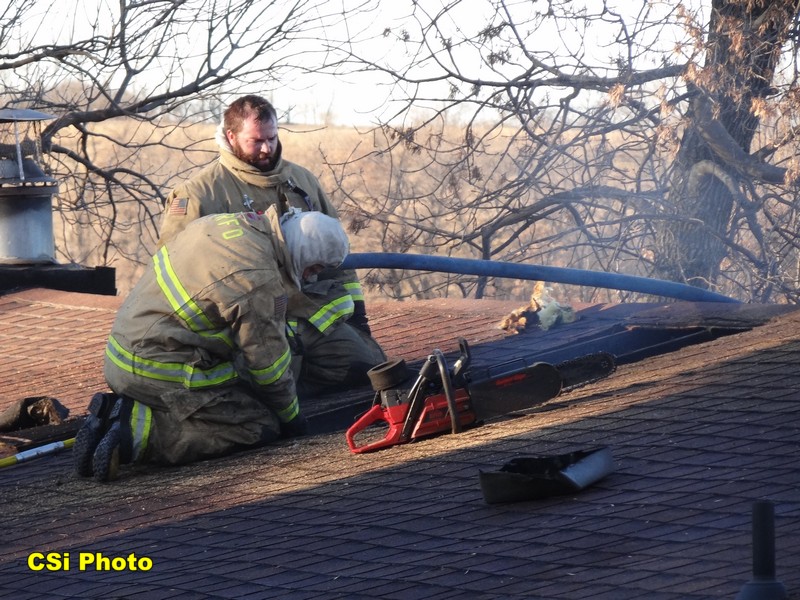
[744, 44]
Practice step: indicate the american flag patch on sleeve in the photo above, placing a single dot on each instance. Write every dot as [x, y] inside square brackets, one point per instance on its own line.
[178, 206]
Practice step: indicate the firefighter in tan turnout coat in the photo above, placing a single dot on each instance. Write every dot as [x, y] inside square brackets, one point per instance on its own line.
[198, 351]
[330, 331]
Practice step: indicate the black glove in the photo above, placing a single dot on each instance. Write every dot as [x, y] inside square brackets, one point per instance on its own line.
[295, 428]
[359, 318]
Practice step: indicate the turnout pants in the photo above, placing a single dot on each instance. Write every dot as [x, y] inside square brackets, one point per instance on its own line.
[190, 425]
[336, 360]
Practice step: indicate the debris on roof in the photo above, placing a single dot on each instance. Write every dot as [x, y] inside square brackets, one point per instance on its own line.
[542, 310]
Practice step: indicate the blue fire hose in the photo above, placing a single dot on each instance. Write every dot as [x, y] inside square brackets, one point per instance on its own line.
[489, 268]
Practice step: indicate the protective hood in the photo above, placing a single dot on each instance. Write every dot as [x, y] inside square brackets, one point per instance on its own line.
[313, 238]
[222, 139]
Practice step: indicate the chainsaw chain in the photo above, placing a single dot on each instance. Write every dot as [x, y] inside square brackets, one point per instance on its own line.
[586, 369]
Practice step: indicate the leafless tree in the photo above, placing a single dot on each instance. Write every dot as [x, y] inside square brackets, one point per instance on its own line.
[656, 139]
[165, 64]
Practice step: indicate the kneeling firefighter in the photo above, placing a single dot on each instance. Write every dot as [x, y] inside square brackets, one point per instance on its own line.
[198, 357]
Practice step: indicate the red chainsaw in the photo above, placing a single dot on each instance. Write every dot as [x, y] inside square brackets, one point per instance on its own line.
[442, 399]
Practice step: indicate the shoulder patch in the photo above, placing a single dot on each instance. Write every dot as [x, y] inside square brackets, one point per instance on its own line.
[178, 206]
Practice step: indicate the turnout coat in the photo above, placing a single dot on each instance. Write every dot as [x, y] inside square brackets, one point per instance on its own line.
[210, 312]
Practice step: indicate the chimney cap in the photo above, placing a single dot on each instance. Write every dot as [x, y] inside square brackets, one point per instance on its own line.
[10, 115]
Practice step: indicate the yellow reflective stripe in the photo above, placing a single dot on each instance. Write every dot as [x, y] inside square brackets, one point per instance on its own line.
[290, 412]
[176, 294]
[181, 302]
[275, 371]
[331, 312]
[141, 422]
[187, 375]
[355, 291]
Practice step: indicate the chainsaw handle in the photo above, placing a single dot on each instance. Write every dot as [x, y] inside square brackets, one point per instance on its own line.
[393, 418]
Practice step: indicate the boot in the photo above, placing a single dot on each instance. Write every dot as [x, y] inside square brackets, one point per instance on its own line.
[96, 425]
[115, 448]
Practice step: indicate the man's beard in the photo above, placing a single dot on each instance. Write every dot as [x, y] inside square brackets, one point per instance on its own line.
[260, 161]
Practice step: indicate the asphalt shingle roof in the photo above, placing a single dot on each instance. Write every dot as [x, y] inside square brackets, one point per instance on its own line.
[698, 435]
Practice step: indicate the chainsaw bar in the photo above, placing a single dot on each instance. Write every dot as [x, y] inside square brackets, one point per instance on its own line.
[536, 384]
[520, 390]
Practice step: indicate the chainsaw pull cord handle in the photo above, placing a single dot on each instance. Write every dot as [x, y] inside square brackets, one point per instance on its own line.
[448, 391]
[462, 364]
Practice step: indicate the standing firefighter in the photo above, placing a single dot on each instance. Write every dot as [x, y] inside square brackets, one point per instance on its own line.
[198, 356]
[331, 329]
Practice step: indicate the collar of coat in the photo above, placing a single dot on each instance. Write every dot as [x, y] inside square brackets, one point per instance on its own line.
[250, 174]
[269, 223]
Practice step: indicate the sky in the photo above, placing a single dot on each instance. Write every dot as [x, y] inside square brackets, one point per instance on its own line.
[353, 98]
[359, 98]
[364, 98]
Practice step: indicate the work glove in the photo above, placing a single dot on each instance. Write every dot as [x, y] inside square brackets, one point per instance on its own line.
[359, 318]
[295, 428]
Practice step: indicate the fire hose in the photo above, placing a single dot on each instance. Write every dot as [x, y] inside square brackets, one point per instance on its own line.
[490, 268]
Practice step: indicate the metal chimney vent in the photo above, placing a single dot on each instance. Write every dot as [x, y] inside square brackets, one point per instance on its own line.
[26, 219]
